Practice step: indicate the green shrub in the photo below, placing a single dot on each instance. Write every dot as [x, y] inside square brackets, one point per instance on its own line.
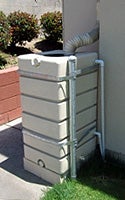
[24, 27]
[4, 31]
[51, 23]
[2, 62]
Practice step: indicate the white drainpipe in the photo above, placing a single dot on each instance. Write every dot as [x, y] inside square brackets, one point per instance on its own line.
[101, 136]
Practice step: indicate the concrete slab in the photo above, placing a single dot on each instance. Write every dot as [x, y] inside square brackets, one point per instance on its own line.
[15, 182]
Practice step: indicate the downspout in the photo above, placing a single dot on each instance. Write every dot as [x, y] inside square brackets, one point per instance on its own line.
[70, 48]
[81, 40]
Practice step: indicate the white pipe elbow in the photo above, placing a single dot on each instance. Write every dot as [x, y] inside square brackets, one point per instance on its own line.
[100, 62]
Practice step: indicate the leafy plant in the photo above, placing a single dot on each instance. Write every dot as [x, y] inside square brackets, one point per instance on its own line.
[24, 27]
[2, 62]
[51, 23]
[4, 31]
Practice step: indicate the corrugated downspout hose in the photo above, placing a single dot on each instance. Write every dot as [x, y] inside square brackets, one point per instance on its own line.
[82, 40]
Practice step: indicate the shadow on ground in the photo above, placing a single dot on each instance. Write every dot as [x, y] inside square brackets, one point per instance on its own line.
[48, 45]
[11, 154]
[17, 50]
[44, 45]
[108, 177]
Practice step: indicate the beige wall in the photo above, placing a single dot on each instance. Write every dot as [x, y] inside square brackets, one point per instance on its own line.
[37, 7]
[79, 17]
[112, 50]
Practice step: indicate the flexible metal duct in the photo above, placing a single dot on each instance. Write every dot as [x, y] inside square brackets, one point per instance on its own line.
[82, 40]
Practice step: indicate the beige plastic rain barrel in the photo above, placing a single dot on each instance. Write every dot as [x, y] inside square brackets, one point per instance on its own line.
[45, 105]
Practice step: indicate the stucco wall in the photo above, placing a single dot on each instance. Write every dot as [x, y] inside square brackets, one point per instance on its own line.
[37, 7]
[112, 50]
[79, 16]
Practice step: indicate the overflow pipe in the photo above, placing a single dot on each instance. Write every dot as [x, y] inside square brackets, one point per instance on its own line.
[102, 107]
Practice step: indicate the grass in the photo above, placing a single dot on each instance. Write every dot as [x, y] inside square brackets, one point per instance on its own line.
[75, 190]
[96, 181]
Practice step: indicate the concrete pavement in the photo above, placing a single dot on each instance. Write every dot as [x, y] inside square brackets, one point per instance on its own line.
[15, 182]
